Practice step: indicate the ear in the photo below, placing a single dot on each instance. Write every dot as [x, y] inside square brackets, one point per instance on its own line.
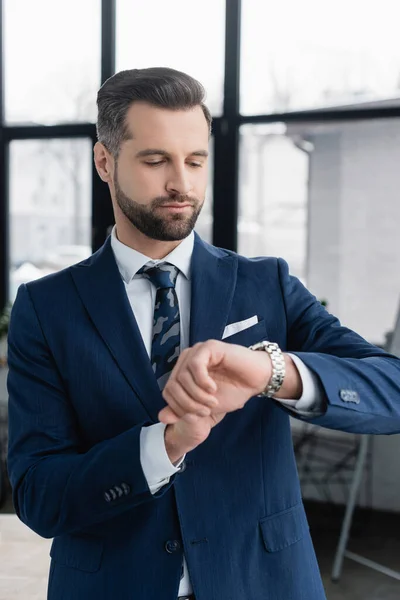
[104, 162]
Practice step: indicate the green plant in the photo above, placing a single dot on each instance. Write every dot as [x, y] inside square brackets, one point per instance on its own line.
[5, 320]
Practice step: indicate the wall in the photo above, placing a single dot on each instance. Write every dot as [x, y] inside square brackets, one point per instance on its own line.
[354, 224]
[354, 248]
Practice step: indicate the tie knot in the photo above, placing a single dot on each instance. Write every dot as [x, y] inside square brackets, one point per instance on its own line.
[162, 276]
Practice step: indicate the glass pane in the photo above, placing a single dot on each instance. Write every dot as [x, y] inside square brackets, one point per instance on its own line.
[273, 195]
[179, 34]
[50, 207]
[204, 225]
[300, 55]
[56, 77]
[325, 197]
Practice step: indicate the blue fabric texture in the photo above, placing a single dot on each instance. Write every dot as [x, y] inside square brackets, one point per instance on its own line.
[81, 388]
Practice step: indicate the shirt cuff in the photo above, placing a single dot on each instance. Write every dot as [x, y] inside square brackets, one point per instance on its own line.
[156, 465]
[312, 402]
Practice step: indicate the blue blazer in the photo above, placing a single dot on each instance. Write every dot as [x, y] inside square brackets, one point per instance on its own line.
[81, 388]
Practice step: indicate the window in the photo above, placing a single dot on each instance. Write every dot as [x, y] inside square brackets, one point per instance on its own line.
[320, 196]
[52, 61]
[50, 207]
[182, 35]
[272, 195]
[313, 54]
[204, 225]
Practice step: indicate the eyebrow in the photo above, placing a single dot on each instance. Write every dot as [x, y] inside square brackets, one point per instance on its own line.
[158, 152]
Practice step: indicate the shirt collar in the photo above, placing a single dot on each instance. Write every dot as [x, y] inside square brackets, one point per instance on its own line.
[129, 261]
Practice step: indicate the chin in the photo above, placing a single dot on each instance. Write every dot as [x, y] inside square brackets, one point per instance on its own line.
[174, 233]
[174, 236]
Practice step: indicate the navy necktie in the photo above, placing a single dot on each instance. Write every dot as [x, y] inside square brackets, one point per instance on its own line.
[166, 341]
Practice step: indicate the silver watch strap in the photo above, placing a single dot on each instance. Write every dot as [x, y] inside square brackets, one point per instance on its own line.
[278, 367]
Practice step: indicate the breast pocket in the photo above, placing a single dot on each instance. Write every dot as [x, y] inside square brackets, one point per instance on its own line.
[284, 529]
[251, 335]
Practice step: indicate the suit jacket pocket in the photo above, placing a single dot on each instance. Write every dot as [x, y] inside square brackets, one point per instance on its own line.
[77, 552]
[284, 528]
[251, 335]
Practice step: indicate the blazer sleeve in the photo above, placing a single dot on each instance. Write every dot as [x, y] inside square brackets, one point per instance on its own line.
[57, 486]
[361, 381]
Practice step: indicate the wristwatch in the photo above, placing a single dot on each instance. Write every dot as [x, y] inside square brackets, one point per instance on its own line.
[278, 367]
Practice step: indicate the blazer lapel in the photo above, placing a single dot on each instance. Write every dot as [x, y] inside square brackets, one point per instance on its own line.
[213, 279]
[101, 288]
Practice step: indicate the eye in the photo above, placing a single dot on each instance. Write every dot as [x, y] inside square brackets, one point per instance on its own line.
[154, 164]
[195, 164]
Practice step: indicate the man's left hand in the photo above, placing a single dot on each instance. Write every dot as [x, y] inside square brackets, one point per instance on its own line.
[214, 377]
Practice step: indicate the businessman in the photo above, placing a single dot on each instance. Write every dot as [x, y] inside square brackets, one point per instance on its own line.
[150, 386]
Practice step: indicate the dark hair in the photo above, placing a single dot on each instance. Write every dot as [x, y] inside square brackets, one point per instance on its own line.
[158, 86]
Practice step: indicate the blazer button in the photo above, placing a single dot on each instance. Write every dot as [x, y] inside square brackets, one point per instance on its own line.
[107, 497]
[350, 396]
[118, 490]
[126, 488]
[113, 493]
[172, 546]
[182, 467]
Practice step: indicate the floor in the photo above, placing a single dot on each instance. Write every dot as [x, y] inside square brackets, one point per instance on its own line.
[359, 582]
[25, 557]
[24, 561]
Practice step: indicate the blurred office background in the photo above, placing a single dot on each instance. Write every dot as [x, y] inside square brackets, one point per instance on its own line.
[305, 157]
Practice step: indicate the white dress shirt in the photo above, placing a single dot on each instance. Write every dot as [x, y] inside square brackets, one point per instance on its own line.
[141, 293]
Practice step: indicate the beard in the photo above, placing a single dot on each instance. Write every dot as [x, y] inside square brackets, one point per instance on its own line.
[172, 228]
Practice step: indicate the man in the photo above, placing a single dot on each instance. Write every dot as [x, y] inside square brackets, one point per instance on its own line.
[146, 436]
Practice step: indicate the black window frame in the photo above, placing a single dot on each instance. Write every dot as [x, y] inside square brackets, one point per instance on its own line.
[226, 133]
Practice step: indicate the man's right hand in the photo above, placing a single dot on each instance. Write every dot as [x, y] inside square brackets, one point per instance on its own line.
[188, 433]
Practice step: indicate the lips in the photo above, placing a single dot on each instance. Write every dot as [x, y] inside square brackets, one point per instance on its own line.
[175, 205]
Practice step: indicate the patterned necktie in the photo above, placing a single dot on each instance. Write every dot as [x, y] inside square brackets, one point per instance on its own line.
[165, 346]
[166, 341]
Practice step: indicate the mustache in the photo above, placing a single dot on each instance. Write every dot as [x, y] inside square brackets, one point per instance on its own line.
[178, 199]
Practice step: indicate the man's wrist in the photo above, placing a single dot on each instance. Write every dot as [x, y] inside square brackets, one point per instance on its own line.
[174, 449]
[266, 366]
[278, 367]
[292, 386]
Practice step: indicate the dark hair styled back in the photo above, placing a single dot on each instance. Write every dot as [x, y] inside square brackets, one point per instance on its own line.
[158, 86]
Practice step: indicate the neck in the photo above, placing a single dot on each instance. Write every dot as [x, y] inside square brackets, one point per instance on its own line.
[130, 236]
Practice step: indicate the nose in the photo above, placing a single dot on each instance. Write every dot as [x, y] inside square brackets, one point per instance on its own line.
[179, 181]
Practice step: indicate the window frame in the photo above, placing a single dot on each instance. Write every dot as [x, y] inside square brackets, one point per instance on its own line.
[225, 132]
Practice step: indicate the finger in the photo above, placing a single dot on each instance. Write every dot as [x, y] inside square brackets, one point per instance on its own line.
[181, 402]
[187, 382]
[198, 367]
[167, 416]
[201, 377]
[182, 358]
[191, 371]
[169, 397]
[191, 418]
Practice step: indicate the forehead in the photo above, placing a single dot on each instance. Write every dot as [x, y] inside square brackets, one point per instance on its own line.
[163, 128]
